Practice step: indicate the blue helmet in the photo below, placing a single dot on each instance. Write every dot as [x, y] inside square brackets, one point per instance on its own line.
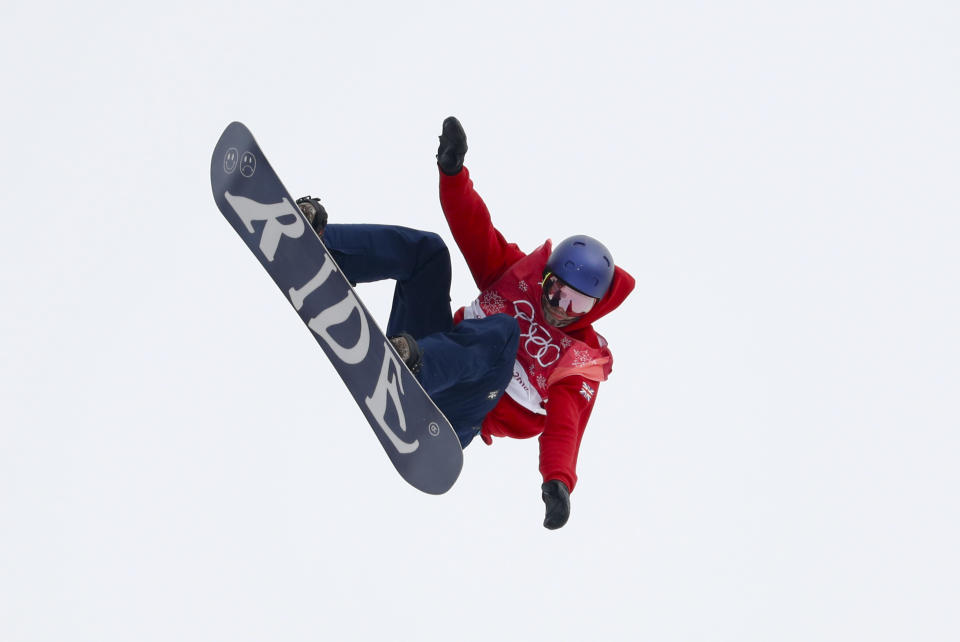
[583, 262]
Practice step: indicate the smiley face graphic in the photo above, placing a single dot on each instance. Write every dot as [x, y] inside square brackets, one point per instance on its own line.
[230, 160]
[248, 164]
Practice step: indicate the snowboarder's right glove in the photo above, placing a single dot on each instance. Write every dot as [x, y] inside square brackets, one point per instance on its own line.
[453, 147]
[556, 496]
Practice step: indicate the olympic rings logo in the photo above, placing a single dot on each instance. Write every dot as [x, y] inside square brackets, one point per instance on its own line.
[537, 344]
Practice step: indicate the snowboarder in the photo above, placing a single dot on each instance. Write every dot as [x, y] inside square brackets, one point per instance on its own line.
[528, 334]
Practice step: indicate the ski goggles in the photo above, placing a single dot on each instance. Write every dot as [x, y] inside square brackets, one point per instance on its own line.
[562, 295]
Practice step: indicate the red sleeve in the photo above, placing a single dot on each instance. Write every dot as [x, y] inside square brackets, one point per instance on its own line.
[487, 253]
[568, 410]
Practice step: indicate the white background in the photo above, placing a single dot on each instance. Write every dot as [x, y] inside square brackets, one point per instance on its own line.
[774, 458]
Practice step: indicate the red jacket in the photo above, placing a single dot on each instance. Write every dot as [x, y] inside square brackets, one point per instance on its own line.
[570, 400]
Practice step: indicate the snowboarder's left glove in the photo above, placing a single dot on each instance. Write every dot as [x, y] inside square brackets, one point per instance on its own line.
[556, 496]
[453, 147]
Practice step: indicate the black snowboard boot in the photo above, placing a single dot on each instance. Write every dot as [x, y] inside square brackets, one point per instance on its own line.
[410, 353]
[315, 213]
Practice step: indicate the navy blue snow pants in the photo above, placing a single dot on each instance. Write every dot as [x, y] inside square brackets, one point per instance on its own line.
[465, 367]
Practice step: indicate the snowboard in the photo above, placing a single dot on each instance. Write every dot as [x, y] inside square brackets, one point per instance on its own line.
[413, 432]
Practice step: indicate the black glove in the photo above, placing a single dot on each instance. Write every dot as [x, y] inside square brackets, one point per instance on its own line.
[453, 147]
[556, 496]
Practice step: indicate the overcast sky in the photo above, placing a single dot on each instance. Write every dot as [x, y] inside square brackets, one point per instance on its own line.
[774, 458]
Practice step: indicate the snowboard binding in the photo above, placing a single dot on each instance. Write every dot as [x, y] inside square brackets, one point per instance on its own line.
[409, 351]
[315, 213]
